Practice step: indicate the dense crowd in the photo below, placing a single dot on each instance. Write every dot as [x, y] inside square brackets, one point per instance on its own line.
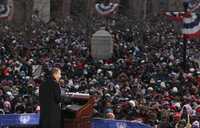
[144, 81]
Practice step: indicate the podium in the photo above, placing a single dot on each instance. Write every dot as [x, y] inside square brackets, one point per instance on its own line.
[78, 114]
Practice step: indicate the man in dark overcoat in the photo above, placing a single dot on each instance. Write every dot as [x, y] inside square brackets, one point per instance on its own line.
[49, 99]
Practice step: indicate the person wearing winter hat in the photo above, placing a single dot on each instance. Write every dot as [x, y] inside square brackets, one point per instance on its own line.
[176, 117]
[37, 110]
[9, 93]
[132, 103]
[174, 89]
[197, 111]
[187, 109]
[195, 124]
[7, 107]
[2, 111]
[109, 114]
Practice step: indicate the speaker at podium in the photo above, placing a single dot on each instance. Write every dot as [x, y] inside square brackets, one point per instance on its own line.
[79, 112]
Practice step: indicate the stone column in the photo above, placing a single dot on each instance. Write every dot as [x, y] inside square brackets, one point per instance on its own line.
[92, 4]
[23, 10]
[131, 8]
[56, 10]
[175, 5]
[90, 7]
[28, 5]
[137, 8]
[164, 5]
[19, 12]
[66, 8]
[155, 7]
[145, 9]
[60, 9]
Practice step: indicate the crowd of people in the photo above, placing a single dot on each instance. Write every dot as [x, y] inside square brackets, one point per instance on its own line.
[144, 81]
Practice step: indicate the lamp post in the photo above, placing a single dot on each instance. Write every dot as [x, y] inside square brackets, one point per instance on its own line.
[185, 40]
[106, 3]
[145, 9]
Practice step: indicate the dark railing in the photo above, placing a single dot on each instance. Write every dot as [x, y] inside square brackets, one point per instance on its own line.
[32, 120]
[19, 120]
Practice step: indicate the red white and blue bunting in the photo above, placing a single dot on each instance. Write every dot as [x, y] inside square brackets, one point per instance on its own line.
[190, 5]
[189, 19]
[6, 9]
[106, 10]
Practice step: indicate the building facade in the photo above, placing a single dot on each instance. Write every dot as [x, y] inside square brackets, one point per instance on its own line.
[61, 9]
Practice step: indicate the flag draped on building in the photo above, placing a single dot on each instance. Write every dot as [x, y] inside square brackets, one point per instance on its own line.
[6, 9]
[191, 23]
[106, 10]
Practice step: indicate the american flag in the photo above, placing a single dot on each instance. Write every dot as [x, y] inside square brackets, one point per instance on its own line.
[189, 19]
[6, 9]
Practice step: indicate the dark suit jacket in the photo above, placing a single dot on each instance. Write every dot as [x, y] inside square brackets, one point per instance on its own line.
[49, 98]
